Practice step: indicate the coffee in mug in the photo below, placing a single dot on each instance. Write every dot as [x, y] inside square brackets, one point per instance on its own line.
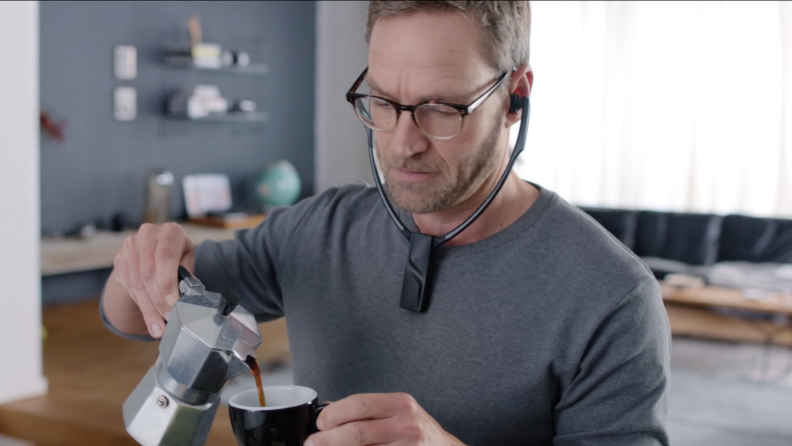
[287, 420]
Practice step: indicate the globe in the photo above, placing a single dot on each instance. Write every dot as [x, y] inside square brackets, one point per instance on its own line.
[278, 185]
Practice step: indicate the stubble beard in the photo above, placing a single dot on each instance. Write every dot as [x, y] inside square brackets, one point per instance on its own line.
[446, 189]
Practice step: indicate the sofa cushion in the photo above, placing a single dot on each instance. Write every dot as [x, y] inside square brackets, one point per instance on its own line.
[687, 238]
[621, 223]
[758, 240]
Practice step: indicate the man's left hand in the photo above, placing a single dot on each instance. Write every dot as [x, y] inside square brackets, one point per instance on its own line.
[378, 419]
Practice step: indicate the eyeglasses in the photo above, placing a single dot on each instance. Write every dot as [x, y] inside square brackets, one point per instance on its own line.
[438, 120]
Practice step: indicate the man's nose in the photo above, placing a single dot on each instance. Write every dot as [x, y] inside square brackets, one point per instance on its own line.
[407, 137]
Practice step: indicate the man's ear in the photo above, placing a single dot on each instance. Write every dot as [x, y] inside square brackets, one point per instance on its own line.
[521, 83]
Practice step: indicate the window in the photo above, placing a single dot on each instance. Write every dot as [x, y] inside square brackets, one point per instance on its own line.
[681, 106]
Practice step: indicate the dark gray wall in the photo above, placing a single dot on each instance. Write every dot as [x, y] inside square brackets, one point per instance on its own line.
[102, 166]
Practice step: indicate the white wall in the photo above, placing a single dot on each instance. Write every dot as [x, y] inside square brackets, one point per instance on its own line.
[20, 298]
[341, 55]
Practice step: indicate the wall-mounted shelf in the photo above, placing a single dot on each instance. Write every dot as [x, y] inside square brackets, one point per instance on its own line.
[249, 69]
[230, 117]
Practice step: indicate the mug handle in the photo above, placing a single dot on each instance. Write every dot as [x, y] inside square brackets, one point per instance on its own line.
[317, 410]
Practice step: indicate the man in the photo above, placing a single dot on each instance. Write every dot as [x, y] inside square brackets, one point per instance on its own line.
[541, 328]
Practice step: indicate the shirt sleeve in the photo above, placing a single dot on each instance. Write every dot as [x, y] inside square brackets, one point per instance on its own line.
[618, 394]
[249, 266]
[142, 338]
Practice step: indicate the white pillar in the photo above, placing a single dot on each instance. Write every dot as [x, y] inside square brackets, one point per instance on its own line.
[20, 282]
[341, 55]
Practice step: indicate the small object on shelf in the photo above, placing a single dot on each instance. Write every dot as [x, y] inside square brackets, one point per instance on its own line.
[234, 58]
[241, 58]
[199, 101]
[200, 53]
[206, 193]
[209, 56]
[227, 58]
[194, 29]
[230, 221]
[203, 55]
[243, 106]
[278, 185]
[206, 55]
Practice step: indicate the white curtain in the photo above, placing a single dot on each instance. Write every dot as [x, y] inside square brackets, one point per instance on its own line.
[682, 106]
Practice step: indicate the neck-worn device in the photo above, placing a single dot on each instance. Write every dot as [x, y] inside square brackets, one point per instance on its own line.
[418, 271]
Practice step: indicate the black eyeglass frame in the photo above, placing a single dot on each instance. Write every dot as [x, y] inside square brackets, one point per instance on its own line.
[463, 110]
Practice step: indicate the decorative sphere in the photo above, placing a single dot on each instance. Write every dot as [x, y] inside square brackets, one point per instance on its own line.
[278, 185]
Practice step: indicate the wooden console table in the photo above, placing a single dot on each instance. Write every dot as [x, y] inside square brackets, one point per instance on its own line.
[65, 255]
[91, 372]
[690, 312]
[726, 298]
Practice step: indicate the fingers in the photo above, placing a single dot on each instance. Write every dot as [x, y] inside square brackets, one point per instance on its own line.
[137, 289]
[377, 419]
[365, 406]
[357, 433]
[121, 272]
[147, 268]
[147, 240]
[172, 247]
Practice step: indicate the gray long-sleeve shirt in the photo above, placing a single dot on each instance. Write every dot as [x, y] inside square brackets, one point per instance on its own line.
[548, 332]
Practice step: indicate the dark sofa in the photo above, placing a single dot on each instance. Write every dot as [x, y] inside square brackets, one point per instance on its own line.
[701, 243]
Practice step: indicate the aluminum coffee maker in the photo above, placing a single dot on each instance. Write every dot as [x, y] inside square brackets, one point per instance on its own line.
[206, 343]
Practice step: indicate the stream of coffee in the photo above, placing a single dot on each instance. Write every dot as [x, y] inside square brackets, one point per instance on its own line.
[254, 369]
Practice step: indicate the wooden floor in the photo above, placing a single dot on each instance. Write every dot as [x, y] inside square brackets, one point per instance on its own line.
[91, 372]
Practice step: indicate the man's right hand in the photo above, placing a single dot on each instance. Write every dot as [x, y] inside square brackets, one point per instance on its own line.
[143, 287]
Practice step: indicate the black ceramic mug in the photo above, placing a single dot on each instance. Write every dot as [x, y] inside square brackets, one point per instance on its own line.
[287, 420]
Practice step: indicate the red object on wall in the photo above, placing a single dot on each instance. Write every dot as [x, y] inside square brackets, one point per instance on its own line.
[51, 128]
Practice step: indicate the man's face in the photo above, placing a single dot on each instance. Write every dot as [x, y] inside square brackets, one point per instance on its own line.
[434, 57]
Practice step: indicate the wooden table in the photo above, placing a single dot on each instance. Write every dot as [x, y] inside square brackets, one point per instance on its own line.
[709, 296]
[91, 372]
[68, 255]
[690, 313]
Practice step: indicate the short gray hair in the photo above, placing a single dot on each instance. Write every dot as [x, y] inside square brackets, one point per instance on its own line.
[506, 25]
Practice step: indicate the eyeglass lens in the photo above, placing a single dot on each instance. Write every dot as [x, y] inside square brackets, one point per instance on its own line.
[437, 120]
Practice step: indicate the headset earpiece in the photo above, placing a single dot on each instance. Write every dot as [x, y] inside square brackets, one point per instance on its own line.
[515, 103]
